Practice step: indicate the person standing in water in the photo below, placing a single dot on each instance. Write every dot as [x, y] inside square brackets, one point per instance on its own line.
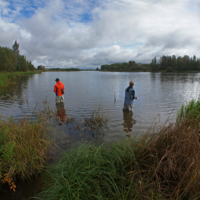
[58, 88]
[129, 97]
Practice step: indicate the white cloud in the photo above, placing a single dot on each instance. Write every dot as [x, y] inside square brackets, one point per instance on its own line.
[84, 33]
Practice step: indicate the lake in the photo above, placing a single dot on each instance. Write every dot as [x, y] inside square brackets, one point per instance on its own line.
[160, 96]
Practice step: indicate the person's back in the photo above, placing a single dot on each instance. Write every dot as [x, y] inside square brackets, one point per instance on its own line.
[129, 94]
[129, 97]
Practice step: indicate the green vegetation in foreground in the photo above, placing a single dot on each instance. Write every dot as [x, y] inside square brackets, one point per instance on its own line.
[6, 77]
[23, 147]
[24, 143]
[159, 165]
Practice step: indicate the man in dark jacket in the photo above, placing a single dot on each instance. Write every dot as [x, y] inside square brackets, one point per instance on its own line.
[129, 97]
[57, 89]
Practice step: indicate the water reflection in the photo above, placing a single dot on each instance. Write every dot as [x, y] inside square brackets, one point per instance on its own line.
[13, 92]
[61, 112]
[128, 121]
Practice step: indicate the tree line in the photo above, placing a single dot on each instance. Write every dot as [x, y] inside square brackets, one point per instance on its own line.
[165, 63]
[65, 69]
[11, 60]
[126, 67]
[173, 63]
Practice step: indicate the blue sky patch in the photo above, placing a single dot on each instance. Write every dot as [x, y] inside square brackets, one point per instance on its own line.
[26, 8]
[27, 13]
[86, 17]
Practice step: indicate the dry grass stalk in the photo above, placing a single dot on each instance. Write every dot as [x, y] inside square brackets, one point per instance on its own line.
[172, 160]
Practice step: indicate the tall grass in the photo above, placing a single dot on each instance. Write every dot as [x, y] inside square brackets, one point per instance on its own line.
[3, 79]
[191, 111]
[23, 147]
[24, 144]
[94, 124]
[91, 172]
[159, 165]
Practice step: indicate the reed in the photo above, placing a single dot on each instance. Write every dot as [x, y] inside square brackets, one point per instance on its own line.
[191, 111]
[23, 148]
[3, 79]
[94, 124]
[159, 165]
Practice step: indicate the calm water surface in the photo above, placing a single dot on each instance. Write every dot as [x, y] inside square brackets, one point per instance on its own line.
[160, 97]
[160, 94]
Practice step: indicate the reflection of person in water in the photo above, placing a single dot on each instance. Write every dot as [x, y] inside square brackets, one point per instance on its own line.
[128, 121]
[61, 113]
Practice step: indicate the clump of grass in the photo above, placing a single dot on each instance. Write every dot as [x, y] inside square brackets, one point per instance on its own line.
[191, 111]
[90, 172]
[3, 80]
[159, 165]
[93, 123]
[23, 147]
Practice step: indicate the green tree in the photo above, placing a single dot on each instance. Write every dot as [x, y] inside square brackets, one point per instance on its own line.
[7, 59]
[30, 66]
[186, 62]
[173, 64]
[133, 65]
[195, 63]
[15, 48]
[163, 63]
[179, 63]
[21, 63]
[198, 64]
[39, 67]
[154, 65]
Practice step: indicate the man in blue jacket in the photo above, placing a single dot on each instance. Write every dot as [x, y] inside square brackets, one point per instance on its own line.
[129, 97]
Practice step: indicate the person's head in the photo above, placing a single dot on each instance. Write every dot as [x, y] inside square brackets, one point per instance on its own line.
[57, 80]
[131, 83]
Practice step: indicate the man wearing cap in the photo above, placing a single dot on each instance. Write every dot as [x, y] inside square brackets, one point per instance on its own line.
[129, 96]
[57, 89]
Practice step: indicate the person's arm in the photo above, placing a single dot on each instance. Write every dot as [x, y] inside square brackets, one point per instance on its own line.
[55, 88]
[133, 95]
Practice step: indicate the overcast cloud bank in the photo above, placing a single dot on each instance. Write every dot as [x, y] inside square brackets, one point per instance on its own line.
[89, 33]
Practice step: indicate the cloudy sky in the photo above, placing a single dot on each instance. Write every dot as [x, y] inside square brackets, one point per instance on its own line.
[89, 33]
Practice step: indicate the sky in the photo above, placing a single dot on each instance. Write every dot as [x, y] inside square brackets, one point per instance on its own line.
[89, 33]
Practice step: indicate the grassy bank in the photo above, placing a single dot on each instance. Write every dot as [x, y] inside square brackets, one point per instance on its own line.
[23, 148]
[24, 143]
[5, 77]
[159, 165]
